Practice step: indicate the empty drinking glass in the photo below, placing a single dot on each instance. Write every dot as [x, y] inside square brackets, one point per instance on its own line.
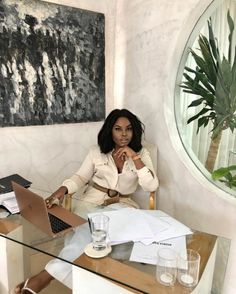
[166, 270]
[188, 268]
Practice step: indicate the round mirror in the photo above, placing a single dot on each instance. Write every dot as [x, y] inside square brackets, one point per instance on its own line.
[205, 102]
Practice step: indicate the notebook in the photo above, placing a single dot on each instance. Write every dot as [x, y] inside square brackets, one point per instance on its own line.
[5, 183]
[33, 208]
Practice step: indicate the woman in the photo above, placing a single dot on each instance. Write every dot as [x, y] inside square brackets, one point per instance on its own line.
[111, 172]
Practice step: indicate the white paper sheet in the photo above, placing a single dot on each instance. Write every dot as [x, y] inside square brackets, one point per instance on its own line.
[174, 230]
[9, 201]
[130, 224]
[148, 253]
[146, 226]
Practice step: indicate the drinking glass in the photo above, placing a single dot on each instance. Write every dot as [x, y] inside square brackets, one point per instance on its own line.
[188, 268]
[166, 270]
[99, 228]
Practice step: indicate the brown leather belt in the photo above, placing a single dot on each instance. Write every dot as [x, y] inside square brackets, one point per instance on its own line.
[113, 194]
[110, 192]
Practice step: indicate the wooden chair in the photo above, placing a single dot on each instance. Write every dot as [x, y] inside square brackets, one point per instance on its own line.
[139, 195]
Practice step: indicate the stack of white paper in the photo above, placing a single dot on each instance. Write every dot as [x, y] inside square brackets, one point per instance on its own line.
[174, 237]
[174, 229]
[130, 224]
[148, 229]
[8, 200]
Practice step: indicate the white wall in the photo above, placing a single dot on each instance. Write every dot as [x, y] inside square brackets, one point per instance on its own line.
[144, 41]
[151, 35]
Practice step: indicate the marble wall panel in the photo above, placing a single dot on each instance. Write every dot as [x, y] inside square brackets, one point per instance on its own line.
[48, 154]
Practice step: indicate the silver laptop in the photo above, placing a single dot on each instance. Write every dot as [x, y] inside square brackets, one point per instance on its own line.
[52, 221]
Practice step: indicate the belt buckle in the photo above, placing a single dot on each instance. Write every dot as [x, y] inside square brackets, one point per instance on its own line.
[112, 193]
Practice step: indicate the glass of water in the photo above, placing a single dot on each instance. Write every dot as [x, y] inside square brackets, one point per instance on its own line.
[99, 228]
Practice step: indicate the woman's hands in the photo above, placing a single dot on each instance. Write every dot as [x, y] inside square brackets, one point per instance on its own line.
[124, 152]
[57, 197]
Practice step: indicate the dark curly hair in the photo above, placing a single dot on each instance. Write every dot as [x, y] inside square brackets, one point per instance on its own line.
[105, 140]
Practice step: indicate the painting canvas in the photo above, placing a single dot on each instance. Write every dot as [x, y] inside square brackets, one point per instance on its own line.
[52, 64]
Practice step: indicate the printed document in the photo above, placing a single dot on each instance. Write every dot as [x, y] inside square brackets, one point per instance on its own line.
[148, 253]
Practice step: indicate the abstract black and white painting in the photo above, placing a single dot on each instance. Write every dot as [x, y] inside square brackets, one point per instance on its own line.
[52, 64]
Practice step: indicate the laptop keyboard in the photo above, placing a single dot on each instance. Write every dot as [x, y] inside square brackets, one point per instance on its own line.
[57, 224]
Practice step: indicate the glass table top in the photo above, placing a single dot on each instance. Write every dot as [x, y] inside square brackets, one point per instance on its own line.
[20, 231]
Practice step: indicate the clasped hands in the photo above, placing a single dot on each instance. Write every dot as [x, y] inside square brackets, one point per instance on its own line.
[57, 197]
[124, 152]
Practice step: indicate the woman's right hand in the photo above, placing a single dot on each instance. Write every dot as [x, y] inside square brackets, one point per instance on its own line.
[57, 197]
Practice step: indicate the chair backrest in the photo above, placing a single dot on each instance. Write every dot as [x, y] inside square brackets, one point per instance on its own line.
[143, 198]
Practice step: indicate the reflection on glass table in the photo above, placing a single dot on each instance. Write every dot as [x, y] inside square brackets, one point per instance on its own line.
[135, 277]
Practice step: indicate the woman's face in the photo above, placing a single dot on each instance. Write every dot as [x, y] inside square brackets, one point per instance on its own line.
[122, 132]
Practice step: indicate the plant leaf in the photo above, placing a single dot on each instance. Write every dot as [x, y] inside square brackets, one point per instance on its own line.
[231, 30]
[219, 173]
[203, 111]
[196, 102]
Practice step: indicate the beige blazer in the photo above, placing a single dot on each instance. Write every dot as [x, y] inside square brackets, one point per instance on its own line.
[100, 168]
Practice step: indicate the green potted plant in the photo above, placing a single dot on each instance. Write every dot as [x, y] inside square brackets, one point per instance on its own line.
[213, 82]
[226, 176]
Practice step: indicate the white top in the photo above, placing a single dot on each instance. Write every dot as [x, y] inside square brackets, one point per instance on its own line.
[100, 168]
